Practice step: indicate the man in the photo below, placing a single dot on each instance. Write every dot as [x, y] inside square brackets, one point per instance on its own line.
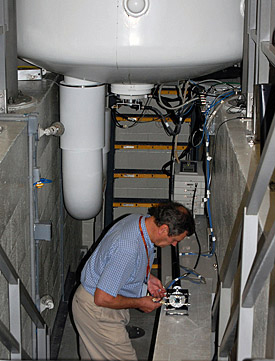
[117, 277]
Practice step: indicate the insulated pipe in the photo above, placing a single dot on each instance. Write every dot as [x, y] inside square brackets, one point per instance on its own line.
[82, 108]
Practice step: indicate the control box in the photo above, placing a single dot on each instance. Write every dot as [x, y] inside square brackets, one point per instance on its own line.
[189, 185]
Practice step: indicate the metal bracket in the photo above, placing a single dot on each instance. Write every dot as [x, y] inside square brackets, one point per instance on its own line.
[32, 119]
[43, 231]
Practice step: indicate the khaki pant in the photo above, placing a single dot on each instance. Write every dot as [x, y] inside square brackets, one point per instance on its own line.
[102, 332]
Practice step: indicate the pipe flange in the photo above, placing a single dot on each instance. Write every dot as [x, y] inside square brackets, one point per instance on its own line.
[136, 8]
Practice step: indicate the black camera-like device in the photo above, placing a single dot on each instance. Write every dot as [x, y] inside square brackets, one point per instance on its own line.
[177, 301]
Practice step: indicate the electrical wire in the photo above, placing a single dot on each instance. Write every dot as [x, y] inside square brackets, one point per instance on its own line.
[218, 269]
[197, 278]
[197, 238]
[182, 97]
[167, 128]
[207, 114]
[205, 135]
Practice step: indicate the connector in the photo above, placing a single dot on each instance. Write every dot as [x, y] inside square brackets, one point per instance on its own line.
[46, 302]
[56, 129]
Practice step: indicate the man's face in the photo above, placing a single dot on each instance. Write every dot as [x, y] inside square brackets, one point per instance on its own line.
[165, 240]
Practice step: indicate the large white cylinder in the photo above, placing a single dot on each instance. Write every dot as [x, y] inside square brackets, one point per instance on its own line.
[82, 182]
[82, 112]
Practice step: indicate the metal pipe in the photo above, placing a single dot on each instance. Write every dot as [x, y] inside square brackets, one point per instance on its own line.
[31, 225]
[61, 230]
[36, 220]
[13, 118]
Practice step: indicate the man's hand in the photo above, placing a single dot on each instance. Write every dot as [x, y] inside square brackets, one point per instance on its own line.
[155, 287]
[145, 304]
[148, 305]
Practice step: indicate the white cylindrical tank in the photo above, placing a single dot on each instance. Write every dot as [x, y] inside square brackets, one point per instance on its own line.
[116, 41]
[82, 113]
[131, 44]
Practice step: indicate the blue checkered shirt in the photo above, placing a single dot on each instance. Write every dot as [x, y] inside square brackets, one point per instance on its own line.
[118, 264]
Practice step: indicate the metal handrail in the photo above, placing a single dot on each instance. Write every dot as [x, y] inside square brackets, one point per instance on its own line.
[12, 277]
[6, 337]
[260, 53]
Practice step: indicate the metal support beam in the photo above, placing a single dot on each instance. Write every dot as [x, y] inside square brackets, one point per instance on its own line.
[263, 265]
[15, 317]
[42, 343]
[225, 306]
[3, 79]
[250, 47]
[30, 308]
[263, 173]
[255, 267]
[8, 340]
[269, 51]
[215, 309]
[249, 249]
[7, 268]
[263, 34]
[229, 335]
[231, 259]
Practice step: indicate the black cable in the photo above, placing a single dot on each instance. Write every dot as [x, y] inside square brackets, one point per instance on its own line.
[199, 252]
[113, 116]
[193, 198]
[128, 116]
[197, 238]
[168, 130]
[197, 122]
[172, 161]
[167, 164]
[165, 101]
[218, 270]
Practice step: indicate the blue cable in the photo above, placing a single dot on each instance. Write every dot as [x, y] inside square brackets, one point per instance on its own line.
[208, 196]
[42, 181]
[206, 114]
[205, 133]
[45, 180]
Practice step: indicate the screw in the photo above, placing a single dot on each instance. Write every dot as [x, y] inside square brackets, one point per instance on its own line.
[11, 100]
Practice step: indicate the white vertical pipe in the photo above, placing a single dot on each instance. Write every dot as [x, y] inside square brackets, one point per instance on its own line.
[82, 110]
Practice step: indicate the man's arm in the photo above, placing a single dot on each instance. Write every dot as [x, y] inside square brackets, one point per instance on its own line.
[155, 287]
[145, 304]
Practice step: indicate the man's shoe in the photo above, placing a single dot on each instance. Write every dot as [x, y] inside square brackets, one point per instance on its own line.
[135, 332]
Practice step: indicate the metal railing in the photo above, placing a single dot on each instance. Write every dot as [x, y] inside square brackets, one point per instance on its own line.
[18, 295]
[243, 256]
